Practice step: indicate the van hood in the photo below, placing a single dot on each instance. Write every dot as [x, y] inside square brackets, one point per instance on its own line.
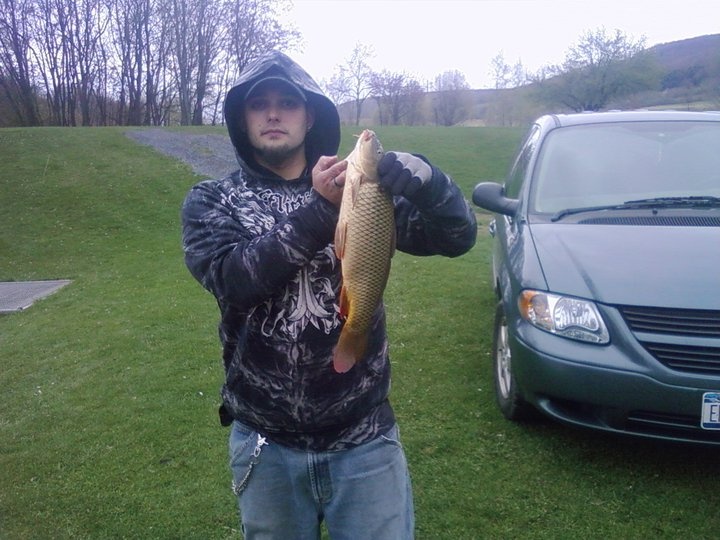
[675, 267]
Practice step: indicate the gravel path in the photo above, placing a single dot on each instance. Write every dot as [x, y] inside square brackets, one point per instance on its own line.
[208, 155]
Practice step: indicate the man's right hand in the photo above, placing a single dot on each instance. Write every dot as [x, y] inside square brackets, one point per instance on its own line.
[328, 178]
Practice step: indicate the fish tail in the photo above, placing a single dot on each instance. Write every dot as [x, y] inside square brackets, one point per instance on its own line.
[349, 350]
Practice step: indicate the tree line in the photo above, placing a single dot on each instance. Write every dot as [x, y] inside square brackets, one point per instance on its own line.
[602, 66]
[166, 62]
[400, 98]
[129, 62]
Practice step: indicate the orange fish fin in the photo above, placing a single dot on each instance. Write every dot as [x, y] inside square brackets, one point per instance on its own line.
[340, 235]
[344, 303]
[349, 350]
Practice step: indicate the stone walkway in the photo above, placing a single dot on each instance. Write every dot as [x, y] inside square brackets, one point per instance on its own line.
[19, 295]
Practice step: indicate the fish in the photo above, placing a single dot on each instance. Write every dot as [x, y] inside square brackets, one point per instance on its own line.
[364, 243]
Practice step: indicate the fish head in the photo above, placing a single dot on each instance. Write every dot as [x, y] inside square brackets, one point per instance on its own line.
[367, 154]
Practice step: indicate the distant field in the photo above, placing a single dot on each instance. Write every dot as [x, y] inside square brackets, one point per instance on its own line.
[108, 425]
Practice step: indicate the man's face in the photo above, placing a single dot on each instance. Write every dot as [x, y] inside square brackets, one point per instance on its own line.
[277, 121]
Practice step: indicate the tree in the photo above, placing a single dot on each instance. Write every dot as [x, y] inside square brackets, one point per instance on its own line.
[130, 28]
[66, 47]
[90, 21]
[398, 96]
[503, 110]
[51, 53]
[192, 51]
[518, 75]
[449, 101]
[129, 61]
[600, 67]
[253, 28]
[353, 79]
[16, 77]
[160, 88]
[500, 71]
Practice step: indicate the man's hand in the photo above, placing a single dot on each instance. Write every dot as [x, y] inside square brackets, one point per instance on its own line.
[328, 178]
[403, 174]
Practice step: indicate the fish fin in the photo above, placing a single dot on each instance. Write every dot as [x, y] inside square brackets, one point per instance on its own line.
[355, 191]
[340, 235]
[349, 350]
[344, 303]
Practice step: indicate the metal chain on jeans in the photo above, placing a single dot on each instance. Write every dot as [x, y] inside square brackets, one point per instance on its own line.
[239, 487]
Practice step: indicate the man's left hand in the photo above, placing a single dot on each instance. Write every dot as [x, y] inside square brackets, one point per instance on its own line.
[403, 174]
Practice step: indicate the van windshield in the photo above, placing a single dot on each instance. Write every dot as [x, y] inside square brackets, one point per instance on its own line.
[599, 165]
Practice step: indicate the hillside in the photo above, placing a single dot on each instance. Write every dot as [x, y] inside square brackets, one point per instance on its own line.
[702, 51]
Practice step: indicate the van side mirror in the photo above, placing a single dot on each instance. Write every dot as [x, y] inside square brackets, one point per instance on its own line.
[491, 196]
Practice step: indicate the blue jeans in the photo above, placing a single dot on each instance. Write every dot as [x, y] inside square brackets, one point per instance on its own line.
[284, 494]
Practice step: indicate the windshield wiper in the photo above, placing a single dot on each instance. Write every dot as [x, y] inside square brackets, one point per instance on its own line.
[665, 202]
[569, 211]
[658, 202]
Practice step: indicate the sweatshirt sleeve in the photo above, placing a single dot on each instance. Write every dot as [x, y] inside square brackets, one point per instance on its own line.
[244, 261]
[439, 220]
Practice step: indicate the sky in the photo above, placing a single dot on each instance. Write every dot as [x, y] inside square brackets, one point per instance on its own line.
[424, 38]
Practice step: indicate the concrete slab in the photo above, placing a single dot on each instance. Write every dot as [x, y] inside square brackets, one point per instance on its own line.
[19, 295]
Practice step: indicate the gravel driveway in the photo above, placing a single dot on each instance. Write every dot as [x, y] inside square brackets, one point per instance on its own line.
[208, 155]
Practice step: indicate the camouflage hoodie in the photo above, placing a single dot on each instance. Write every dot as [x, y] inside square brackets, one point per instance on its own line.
[263, 247]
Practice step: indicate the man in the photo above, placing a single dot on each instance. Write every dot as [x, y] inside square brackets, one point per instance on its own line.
[307, 444]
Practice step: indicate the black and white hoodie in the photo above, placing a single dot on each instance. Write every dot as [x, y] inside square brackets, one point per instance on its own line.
[262, 246]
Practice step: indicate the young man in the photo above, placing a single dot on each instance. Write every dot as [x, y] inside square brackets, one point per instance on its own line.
[307, 443]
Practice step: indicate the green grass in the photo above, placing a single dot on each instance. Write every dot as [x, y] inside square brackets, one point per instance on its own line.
[108, 425]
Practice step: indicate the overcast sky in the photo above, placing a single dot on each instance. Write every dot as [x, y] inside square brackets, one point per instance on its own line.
[424, 38]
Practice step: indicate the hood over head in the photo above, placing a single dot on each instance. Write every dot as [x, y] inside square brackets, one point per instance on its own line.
[324, 137]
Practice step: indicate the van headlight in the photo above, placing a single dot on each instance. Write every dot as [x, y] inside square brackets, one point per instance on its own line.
[565, 316]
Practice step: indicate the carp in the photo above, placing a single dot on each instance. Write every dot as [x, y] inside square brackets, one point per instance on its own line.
[365, 244]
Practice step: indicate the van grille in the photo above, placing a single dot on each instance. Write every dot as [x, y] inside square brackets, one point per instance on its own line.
[686, 357]
[687, 322]
[678, 323]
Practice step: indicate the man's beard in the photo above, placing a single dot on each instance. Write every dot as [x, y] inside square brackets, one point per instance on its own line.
[277, 155]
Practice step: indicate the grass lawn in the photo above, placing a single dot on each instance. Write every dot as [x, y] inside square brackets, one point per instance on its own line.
[108, 424]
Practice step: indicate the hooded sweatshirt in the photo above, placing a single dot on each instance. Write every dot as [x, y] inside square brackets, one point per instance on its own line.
[262, 245]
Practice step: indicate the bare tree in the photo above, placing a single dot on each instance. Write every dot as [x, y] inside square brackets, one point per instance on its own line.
[337, 88]
[159, 90]
[518, 75]
[450, 97]
[66, 37]
[352, 80]
[90, 19]
[398, 96]
[16, 77]
[50, 52]
[186, 30]
[500, 71]
[385, 86]
[252, 28]
[130, 61]
[502, 110]
[130, 29]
